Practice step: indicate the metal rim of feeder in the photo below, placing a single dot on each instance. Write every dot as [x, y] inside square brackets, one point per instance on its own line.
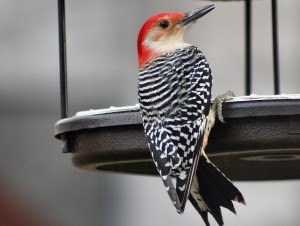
[260, 138]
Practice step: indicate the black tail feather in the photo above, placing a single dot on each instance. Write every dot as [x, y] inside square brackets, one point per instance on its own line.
[217, 187]
[218, 178]
[216, 190]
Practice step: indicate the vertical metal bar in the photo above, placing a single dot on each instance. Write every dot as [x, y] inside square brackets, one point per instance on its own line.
[62, 59]
[275, 46]
[248, 56]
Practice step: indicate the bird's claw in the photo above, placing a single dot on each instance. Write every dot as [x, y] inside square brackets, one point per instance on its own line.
[217, 104]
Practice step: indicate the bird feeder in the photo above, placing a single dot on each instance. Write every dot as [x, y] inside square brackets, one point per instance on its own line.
[259, 141]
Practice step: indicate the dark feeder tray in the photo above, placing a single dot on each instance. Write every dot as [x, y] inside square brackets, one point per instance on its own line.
[259, 141]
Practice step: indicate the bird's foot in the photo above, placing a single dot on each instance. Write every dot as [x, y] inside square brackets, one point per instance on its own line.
[217, 104]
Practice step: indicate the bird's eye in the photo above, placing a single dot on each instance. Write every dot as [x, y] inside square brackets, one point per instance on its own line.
[164, 24]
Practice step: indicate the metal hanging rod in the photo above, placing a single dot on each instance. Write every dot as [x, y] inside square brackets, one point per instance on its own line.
[62, 59]
[248, 40]
[275, 47]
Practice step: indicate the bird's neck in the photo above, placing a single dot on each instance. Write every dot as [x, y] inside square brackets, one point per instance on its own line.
[151, 50]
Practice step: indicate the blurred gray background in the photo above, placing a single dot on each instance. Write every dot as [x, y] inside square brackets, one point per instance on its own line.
[39, 183]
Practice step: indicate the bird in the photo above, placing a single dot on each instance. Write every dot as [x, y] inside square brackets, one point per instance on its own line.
[174, 92]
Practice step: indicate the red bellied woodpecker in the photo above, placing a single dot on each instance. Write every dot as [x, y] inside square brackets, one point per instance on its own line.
[174, 90]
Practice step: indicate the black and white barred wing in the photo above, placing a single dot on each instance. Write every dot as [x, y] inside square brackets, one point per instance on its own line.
[189, 159]
[192, 118]
[165, 157]
[174, 96]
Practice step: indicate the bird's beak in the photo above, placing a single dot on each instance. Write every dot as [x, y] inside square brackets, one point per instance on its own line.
[195, 15]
